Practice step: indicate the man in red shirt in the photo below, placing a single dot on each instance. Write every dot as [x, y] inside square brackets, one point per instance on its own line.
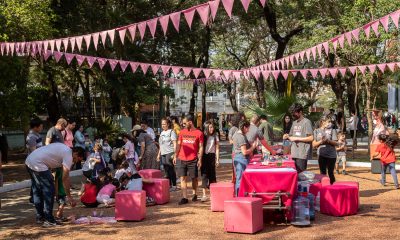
[189, 153]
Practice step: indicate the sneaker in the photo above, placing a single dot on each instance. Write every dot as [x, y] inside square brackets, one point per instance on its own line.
[337, 172]
[61, 219]
[344, 172]
[183, 201]
[51, 224]
[396, 187]
[382, 183]
[204, 199]
[194, 198]
[172, 189]
[39, 220]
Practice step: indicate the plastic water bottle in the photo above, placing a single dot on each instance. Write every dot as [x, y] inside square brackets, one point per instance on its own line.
[311, 197]
[301, 210]
[317, 202]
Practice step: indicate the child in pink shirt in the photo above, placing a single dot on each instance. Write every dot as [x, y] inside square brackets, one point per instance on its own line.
[107, 192]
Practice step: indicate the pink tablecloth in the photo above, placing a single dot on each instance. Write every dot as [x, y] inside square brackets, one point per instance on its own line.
[272, 180]
[258, 165]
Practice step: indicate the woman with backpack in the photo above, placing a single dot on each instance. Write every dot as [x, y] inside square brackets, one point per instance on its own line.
[210, 158]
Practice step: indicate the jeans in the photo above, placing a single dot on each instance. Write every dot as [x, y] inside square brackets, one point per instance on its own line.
[392, 170]
[169, 168]
[240, 162]
[327, 163]
[43, 193]
[301, 164]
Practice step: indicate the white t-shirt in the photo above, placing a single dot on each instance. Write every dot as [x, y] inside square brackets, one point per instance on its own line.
[130, 147]
[52, 156]
[135, 184]
[211, 144]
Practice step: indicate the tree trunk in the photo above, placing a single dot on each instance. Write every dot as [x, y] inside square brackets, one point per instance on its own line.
[86, 93]
[203, 103]
[231, 91]
[52, 105]
[270, 17]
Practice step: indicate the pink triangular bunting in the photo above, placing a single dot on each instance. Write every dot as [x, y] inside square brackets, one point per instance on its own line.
[263, 3]
[135, 65]
[103, 36]
[113, 63]
[80, 59]
[356, 34]
[142, 29]
[375, 27]
[154, 68]
[122, 34]
[175, 19]
[214, 8]
[95, 37]
[245, 4]
[333, 72]
[57, 56]
[69, 57]
[391, 66]
[189, 14]
[228, 5]
[372, 68]
[367, 30]
[207, 72]
[111, 35]
[176, 71]
[186, 71]
[165, 69]
[79, 42]
[152, 24]
[353, 70]
[196, 72]
[343, 71]
[164, 23]
[203, 11]
[323, 72]
[285, 74]
[382, 67]
[65, 43]
[362, 69]
[304, 73]
[348, 37]
[385, 22]
[132, 32]
[123, 65]
[314, 73]
[91, 61]
[102, 62]
[395, 18]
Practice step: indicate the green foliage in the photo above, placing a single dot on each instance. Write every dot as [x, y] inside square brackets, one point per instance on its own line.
[108, 128]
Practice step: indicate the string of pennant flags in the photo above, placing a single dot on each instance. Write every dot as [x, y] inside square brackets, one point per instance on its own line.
[218, 74]
[206, 11]
[338, 41]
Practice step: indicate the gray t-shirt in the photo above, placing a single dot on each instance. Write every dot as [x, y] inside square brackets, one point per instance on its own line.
[165, 140]
[146, 138]
[327, 150]
[253, 134]
[55, 135]
[301, 128]
[238, 141]
[232, 131]
[267, 131]
[33, 140]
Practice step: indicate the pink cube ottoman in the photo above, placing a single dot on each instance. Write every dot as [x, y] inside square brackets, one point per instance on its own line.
[150, 173]
[323, 179]
[130, 205]
[315, 188]
[339, 200]
[158, 190]
[350, 183]
[243, 215]
[219, 193]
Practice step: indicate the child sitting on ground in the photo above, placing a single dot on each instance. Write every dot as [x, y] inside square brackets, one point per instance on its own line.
[388, 158]
[341, 149]
[60, 195]
[107, 192]
[123, 168]
[135, 183]
[88, 194]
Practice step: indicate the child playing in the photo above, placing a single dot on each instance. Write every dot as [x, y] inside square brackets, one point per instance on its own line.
[107, 193]
[388, 158]
[97, 158]
[124, 168]
[88, 194]
[60, 195]
[341, 153]
[135, 183]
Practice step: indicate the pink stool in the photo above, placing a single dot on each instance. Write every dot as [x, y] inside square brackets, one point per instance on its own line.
[158, 190]
[130, 205]
[315, 188]
[150, 173]
[243, 215]
[339, 200]
[219, 193]
[325, 181]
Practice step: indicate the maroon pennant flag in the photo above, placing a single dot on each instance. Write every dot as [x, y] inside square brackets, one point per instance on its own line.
[57, 56]
[113, 63]
[123, 65]
[102, 62]
[135, 65]
[69, 57]
[80, 59]
[91, 61]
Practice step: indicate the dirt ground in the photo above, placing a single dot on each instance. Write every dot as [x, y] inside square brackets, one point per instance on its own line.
[378, 218]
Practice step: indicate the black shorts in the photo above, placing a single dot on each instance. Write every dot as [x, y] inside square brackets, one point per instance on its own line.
[187, 168]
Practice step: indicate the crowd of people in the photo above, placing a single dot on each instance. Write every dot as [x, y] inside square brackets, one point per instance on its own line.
[181, 151]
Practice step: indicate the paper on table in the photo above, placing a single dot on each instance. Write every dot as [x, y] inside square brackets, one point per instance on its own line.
[270, 170]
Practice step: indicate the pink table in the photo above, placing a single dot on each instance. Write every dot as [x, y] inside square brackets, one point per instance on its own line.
[261, 179]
